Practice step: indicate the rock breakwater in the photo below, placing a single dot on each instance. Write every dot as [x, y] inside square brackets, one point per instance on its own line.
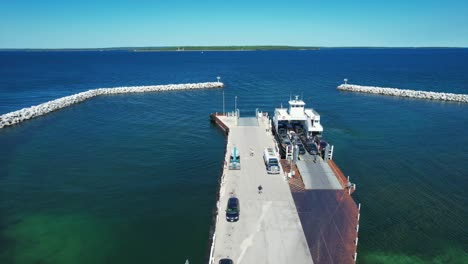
[405, 93]
[54, 105]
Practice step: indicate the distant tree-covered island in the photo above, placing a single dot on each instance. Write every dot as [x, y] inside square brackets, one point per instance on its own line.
[180, 48]
[225, 48]
[216, 48]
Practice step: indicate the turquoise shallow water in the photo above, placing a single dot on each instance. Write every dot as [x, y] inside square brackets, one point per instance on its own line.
[117, 192]
[133, 178]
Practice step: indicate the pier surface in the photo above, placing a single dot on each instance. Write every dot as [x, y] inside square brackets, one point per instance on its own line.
[269, 229]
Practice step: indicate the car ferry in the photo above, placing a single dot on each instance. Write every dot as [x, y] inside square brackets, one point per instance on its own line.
[298, 128]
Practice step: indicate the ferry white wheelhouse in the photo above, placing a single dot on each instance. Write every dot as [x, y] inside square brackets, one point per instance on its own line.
[297, 113]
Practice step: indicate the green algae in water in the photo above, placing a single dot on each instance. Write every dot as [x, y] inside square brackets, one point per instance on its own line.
[450, 255]
[48, 238]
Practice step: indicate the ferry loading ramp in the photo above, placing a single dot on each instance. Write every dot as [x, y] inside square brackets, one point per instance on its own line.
[317, 174]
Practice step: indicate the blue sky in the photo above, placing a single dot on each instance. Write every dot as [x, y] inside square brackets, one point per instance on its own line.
[88, 24]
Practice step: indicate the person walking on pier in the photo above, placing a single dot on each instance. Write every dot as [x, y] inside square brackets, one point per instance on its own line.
[260, 188]
[251, 152]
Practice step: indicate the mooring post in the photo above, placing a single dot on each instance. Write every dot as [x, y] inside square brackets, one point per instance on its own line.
[235, 104]
[359, 212]
[223, 104]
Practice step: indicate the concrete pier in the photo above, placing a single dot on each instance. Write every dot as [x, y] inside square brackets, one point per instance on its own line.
[269, 229]
[463, 98]
[308, 217]
[54, 105]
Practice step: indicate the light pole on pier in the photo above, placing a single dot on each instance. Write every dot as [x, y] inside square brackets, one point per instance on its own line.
[223, 103]
[235, 105]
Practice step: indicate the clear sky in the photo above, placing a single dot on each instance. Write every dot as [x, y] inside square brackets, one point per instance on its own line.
[88, 24]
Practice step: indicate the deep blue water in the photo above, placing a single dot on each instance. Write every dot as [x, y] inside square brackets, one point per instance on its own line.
[133, 178]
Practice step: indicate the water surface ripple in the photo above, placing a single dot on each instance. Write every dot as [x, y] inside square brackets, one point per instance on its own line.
[133, 178]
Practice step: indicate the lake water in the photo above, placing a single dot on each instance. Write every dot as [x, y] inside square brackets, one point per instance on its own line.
[133, 178]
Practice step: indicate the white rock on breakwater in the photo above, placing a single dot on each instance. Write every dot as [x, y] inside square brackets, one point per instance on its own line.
[42, 109]
[405, 93]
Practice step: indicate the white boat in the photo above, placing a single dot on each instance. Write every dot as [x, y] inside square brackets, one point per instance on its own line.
[296, 113]
[297, 126]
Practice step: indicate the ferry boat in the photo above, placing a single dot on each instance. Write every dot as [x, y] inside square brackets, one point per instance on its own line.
[297, 127]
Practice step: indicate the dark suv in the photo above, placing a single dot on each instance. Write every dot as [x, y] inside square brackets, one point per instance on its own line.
[312, 148]
[300, 147]
[232, 211]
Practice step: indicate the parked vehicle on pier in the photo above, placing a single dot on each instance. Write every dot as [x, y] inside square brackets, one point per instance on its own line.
[234, 160]
[232, 210]
[312, 148]
[323, 145]
[300, 147]
[226, 261]
[271, 161]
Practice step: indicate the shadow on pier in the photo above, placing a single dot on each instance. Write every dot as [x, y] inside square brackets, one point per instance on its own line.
[329, 219]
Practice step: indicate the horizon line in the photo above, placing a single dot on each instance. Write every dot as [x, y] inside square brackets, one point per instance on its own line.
[235, 46]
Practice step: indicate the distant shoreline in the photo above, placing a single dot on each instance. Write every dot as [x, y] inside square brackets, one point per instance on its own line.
[218, 48]
[178, 48]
